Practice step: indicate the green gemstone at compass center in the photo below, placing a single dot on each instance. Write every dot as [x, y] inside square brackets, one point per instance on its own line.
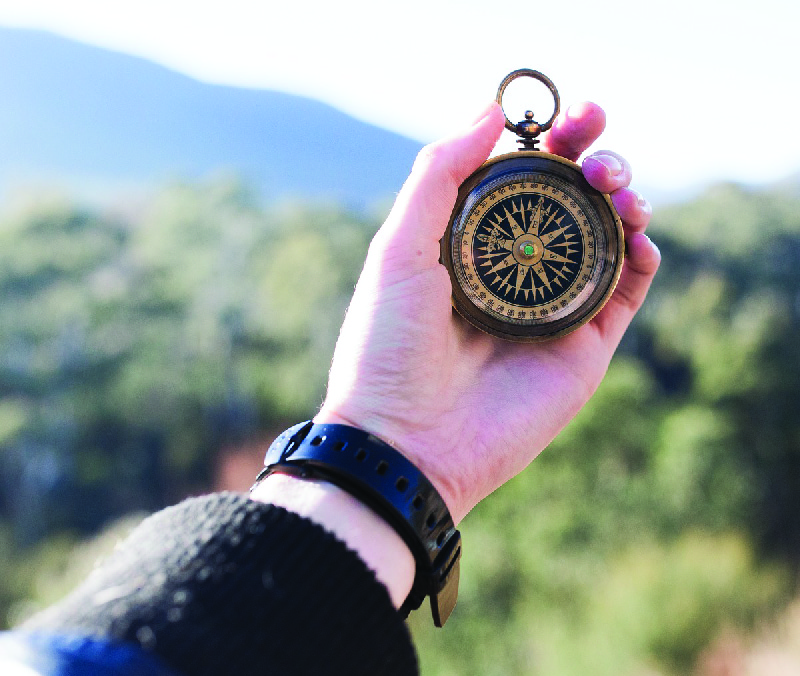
[528, 249]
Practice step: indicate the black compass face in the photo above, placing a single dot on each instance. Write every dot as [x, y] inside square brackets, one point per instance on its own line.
[529, 249]
[531, 256]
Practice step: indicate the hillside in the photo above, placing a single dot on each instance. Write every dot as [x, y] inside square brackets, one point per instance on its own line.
[84, 117]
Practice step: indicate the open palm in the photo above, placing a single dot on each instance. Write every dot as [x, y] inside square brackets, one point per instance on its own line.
[469, 409]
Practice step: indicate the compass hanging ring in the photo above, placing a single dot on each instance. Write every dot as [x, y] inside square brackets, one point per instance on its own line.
[527, 128]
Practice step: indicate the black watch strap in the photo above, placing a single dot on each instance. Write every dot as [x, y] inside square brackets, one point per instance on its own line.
[386, 481]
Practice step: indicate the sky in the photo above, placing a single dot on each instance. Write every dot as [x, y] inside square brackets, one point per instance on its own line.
[695, 91]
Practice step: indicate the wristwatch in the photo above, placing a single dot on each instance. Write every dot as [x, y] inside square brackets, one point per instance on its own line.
[387, 482]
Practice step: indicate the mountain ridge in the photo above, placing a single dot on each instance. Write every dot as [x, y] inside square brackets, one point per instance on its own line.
[75, 113]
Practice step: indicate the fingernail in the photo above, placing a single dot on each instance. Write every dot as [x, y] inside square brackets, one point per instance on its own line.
[576, 110]
[610, 162]
[640, 199]
[487, 110]
[572, 112]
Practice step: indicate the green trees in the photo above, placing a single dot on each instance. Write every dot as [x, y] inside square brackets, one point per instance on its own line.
[134, 346]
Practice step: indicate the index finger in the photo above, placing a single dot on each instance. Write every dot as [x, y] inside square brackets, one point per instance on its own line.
[575, 130]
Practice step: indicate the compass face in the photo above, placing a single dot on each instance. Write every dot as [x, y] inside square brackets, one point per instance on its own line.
[533, 251]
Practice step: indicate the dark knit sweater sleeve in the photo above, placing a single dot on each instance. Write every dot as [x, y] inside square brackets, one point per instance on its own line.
[223, 585]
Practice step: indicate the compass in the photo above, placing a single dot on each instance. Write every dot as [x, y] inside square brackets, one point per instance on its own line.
[533, 251]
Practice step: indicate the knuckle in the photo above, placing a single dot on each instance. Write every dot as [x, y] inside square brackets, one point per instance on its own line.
[431, 156]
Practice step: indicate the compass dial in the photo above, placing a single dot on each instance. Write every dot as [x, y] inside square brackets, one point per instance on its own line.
[533, 250]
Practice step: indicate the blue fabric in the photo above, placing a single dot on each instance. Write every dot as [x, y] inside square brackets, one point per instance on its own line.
[43, 654]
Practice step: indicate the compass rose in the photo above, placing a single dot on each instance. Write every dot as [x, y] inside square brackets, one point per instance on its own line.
[528, 249]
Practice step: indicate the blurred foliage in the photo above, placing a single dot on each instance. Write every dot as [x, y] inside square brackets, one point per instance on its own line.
[135, 346]
[55, 566]
[132, 349]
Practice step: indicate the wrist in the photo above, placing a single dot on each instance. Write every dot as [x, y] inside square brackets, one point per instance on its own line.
[364, 531]
[387, 483]
[407, 444]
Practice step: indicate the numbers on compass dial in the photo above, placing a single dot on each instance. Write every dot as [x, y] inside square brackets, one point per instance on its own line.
[527, 251]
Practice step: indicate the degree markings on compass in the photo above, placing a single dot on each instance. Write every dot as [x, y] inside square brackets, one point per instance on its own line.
[496, 225]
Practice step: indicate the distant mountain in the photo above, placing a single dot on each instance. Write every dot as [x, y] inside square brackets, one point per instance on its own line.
[80, 115]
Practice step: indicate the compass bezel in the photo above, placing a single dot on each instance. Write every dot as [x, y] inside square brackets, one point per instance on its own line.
[603, 220]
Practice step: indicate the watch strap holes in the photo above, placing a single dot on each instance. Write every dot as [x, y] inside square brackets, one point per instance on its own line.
[340, 446]
[361, 455]
[316, 441]
[418, 502]
[431, 521]
[401, 484]
[440, 539]
[382, 467]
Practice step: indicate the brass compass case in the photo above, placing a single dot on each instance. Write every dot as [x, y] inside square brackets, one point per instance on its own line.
[533, 251]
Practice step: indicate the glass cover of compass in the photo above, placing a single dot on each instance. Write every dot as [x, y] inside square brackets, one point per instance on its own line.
[533, 251]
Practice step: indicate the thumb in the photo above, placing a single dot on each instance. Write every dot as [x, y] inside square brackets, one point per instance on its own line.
[422, 210]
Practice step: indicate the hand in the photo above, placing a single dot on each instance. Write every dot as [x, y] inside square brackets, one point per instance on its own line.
[470, 410]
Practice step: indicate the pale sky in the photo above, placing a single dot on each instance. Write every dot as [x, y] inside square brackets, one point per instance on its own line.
[695, 90]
